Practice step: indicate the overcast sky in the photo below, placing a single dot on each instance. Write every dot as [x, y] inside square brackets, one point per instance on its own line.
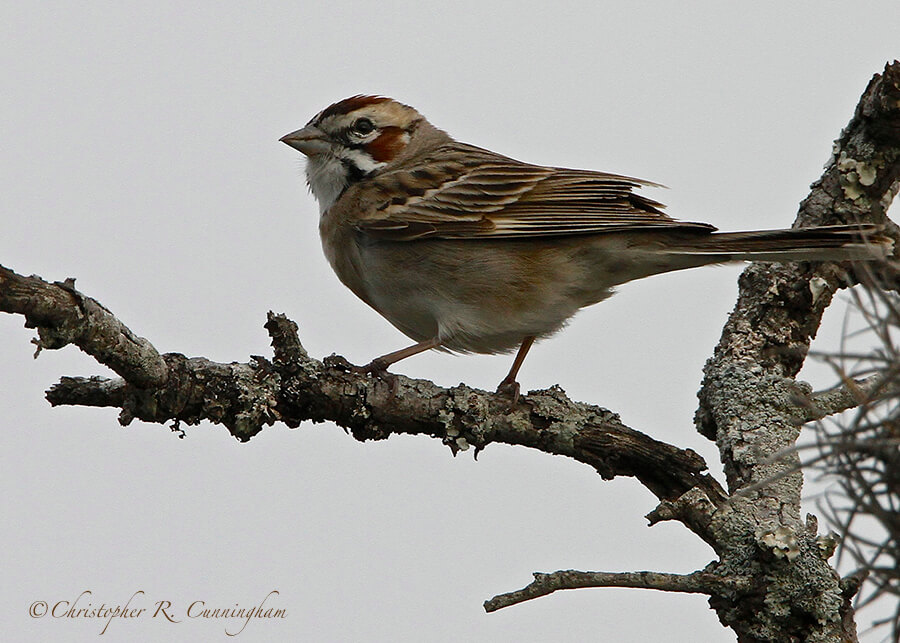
[140, 155]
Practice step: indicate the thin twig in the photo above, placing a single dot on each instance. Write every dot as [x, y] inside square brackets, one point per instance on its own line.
[694, 583]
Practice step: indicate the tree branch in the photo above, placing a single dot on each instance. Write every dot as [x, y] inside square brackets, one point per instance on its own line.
[696, 583]
[62, 316]
[850, 395]
[767, 336]
[294, 388]
[748, 399]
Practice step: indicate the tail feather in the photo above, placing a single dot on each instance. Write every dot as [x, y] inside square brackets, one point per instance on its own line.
[824, 243]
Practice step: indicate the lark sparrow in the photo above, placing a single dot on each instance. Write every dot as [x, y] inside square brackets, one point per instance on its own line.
[465, 250]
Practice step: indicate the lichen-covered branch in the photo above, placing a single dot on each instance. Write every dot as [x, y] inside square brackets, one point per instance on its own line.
[701, 582]
[294, 388]
[849, 395]
[64, 316]
[748, 400]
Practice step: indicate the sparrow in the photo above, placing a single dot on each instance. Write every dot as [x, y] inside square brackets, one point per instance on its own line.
[468, 251]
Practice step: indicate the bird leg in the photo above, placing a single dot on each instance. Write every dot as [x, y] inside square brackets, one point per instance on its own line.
[380, 364]
[509, 385]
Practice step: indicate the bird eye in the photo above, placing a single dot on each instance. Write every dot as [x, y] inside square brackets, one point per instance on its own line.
[363, 126]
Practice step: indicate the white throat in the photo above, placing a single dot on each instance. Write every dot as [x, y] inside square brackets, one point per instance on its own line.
[327, 178]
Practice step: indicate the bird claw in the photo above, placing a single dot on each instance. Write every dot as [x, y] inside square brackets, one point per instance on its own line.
[377, 369]
[339, 362]
[509, 389]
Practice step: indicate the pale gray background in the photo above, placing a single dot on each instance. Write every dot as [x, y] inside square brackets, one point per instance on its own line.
[140, 154]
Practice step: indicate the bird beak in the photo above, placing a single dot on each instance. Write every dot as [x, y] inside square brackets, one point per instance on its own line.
[310, 140]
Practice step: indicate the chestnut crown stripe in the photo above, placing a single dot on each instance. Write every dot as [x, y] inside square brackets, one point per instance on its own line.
[348, 105]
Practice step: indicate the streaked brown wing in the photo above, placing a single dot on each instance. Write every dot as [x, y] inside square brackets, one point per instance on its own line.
[465, 192]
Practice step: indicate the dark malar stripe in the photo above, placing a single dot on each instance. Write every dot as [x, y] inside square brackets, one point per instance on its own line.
[355, 174]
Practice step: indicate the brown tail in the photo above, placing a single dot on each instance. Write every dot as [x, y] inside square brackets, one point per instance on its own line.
[824, 243]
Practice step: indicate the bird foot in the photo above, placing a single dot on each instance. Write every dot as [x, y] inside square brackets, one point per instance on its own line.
[378, 369]
[509, 389]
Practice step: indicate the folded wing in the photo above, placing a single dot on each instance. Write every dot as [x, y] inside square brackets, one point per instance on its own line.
[465, 192]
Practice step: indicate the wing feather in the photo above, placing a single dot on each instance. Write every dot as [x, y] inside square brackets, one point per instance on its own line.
[465, 192]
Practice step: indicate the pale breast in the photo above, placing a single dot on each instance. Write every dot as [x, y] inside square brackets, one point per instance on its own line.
[482, 297]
